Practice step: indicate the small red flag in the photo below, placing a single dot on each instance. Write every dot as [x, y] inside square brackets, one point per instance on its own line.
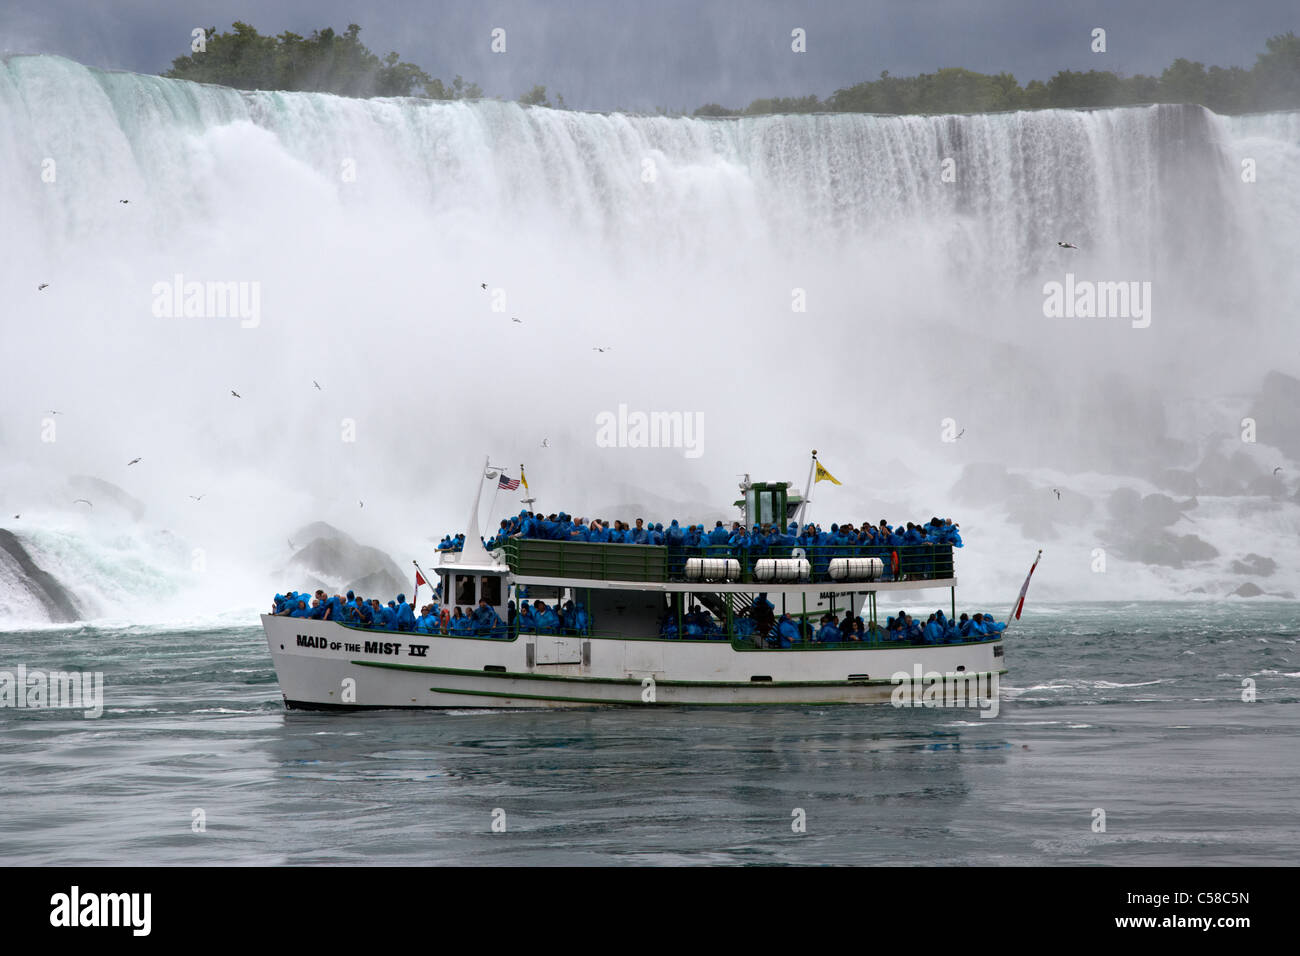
[419, 578]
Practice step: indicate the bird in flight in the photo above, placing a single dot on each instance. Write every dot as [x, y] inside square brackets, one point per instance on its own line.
[43, 285]
[124, 201]
[235, 393]
[292, 546]
[1058, 493]
[53, 412]
[546, 443]
[16, 517]
[317, 384]
[1277, 469]
[133, 461]
[82, 501]
[198, 497]
[362, 503]
[960, 433]
[607, 348]
[1067, 245]
[513, 319]
[483, 285]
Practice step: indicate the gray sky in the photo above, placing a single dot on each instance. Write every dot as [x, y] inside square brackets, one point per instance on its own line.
[604, 54]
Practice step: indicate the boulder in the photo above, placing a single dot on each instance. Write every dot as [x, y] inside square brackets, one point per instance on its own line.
[35, 583]
[1160, 547]
[334, 561]
[1255, 565]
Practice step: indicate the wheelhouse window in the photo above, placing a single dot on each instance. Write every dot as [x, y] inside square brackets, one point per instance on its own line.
[490, 589]
[465, 589]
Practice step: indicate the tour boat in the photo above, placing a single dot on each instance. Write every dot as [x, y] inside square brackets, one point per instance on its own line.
[622, 658]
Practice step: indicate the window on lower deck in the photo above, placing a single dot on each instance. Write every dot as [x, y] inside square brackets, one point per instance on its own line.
[465, 589]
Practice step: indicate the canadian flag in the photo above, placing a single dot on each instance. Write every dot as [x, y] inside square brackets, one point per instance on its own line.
[1020, 602]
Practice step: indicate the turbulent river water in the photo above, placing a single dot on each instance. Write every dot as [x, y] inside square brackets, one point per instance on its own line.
[1135, 710]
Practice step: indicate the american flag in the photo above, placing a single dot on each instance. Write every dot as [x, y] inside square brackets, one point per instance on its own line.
[509, 484]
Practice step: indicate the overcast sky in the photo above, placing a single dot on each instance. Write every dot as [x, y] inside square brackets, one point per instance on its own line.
[605, 54]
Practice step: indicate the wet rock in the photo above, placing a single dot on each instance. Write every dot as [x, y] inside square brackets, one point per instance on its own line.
[1124, 504]
[1193, 548]
[334, 561]
[30, 580]
[1161, 548]
[1159, 511]
[1219, 474]
[1254, 564]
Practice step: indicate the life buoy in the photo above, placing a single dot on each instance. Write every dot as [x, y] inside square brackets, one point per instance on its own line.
[893, 563]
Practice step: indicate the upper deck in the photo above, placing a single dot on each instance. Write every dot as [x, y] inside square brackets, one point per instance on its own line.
[903, 566]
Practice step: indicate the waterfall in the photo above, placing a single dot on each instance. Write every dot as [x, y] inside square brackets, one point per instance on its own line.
[918, 248]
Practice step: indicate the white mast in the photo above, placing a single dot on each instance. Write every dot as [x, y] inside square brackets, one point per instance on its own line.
[473, 551]
[807, 492]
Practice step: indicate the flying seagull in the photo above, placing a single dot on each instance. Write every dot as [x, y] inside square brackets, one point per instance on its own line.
[132, 461]
[292, 546]
[53, 412]
[43, 285]
[483, 285]
[198, 497]
[317, 384]
[960, 433]
[124, 201]
[360, 502]
[1058, 493]
[1067, 245]
[82, 501]
[235, 393]
[16, 517]
[1277, 469]
[513, 319]
[546, 443]
[607, 348]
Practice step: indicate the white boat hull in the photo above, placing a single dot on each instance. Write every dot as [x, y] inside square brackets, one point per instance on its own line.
[326, 665]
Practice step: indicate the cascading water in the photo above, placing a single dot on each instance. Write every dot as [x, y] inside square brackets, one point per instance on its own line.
[918, 246]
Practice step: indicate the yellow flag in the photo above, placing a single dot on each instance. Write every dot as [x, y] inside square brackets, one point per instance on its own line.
[824, 475]
[523, 478]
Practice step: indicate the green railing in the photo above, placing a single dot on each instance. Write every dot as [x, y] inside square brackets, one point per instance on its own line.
[535, 557]
[578, 559]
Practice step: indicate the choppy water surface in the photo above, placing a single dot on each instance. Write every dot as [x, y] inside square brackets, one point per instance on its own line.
[1135, 709]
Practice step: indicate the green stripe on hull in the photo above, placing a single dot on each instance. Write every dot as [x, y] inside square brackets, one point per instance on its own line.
[636, 681]
[629, 703]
